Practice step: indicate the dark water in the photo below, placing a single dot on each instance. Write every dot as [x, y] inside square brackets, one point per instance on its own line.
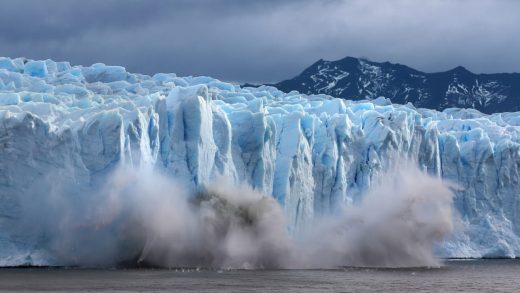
[454, 276]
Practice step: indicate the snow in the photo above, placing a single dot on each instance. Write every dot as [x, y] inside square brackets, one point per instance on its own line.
[73, 124]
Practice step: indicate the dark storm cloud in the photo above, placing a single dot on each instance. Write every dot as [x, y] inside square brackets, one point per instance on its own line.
[263, 40]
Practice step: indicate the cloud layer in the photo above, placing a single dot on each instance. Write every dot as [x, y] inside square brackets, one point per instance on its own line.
[259, 40]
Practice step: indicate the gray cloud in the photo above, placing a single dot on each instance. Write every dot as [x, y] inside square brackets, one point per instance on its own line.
[259, 40]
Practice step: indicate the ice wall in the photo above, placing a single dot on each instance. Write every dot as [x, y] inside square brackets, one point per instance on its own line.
[65, 128]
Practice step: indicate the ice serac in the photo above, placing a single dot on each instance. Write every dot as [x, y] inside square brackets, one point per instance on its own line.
[64, 128]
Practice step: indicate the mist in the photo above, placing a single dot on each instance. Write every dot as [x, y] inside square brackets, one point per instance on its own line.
[397, 224]
[145, 218]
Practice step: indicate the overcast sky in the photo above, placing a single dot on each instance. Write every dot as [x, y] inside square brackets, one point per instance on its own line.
[263, 40]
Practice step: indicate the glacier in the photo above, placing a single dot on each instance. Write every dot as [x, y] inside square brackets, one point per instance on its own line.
[66, 128]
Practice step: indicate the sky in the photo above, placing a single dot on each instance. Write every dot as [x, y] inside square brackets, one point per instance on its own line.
[263, 40]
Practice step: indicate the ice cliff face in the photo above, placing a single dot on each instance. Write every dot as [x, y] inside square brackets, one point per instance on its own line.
[64, 128]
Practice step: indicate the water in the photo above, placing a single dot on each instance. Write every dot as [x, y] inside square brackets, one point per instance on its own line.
[460, 276]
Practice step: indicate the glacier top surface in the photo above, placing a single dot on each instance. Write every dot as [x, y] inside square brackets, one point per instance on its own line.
[66, 96]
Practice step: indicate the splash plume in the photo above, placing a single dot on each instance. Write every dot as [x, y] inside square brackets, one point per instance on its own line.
[146, 218]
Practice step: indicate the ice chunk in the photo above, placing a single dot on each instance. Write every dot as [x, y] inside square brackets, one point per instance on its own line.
[36, 68]
[9, 99]
[99, 72]
[8, 64]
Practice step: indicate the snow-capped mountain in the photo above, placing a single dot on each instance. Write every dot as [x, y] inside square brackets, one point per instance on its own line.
[358, 79]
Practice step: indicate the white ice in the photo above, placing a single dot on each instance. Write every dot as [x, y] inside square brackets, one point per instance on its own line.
[66, 127]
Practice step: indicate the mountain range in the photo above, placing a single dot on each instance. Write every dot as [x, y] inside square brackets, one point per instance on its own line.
[358, 79]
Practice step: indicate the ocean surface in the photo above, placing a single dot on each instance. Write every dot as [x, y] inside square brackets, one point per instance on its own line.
[453, 276]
